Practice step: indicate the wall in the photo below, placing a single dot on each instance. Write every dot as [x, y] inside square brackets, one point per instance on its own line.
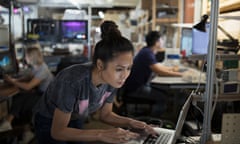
[188, 11]
[121, 20]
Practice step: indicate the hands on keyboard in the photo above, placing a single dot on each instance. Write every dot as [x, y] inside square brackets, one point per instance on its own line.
[162, 138]
[141, 132]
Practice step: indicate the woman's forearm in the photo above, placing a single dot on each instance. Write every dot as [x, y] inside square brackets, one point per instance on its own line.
[73, 134]
[116, 120]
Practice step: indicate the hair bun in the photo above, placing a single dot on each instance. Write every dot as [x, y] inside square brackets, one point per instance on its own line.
[109, 30]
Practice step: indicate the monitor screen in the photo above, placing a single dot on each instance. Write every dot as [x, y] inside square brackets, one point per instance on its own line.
[186, 42]
[7, 63]
[74, 30]
[200, 41]
[19, 51]
[43, 30]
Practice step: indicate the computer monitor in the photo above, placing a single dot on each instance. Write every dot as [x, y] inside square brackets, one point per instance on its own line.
[200, 41]
[74, 30]
[43, 30]
[7, 63]
[186, 42]
[19, 51]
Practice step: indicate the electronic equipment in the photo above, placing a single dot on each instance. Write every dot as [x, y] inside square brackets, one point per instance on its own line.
[186, 42]
[73, 30]
[167, 136]
[7, 63]
[230, 87]
[230, 75]
[19, 51]
[200, 40]
[43, 30]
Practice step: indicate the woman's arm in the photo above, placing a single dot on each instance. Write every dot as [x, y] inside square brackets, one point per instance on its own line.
[107, 116]
[60, 131]
[23, 85]
[164, 70]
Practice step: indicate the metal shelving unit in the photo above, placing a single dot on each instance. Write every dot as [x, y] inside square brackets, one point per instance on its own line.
[218, 57]
[211, 57]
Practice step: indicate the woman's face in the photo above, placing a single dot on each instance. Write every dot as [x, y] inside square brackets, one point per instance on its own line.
[117, 71]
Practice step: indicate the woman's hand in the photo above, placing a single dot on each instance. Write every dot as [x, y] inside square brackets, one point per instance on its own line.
[117, 135]
[9, 79]
[135, 124]
[175, 68]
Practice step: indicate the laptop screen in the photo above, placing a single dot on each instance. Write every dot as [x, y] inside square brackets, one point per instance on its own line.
[182, 117]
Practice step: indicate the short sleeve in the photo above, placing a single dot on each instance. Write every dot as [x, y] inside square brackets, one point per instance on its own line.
[64, 95]
[110, 99]
[41, 74]
[150, 59]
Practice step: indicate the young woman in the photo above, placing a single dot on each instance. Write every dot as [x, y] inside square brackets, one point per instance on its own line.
[83, 89]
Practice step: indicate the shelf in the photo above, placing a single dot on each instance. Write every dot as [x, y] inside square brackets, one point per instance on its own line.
[221, 97]
[167, 8]
[166, 20]
[227, 6]
[218, 56]
[164, 14]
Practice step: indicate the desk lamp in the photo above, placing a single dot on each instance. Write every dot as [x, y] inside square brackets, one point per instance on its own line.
[201, 26]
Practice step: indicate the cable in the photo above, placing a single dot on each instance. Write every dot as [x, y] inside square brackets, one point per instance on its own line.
[217, 90]
[198, 86]
[200, 76]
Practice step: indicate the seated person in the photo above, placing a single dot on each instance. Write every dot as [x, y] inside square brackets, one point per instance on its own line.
[144, 65]
[32, 86]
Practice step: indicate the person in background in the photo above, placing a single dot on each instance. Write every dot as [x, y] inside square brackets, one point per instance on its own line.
[82, 89]
[144, 67]
[32, 86]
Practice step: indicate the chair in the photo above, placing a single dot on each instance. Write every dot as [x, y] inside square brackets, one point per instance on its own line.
[127, 99]
[70, 60]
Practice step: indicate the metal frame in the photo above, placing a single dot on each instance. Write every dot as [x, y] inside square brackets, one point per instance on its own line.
[208, 96]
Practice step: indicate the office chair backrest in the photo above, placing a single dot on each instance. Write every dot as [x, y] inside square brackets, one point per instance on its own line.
[70, 60]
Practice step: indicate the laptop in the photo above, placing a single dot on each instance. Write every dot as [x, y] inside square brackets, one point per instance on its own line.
[167, 136]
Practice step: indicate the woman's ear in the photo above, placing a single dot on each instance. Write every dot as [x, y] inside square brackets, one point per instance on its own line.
[99, 64]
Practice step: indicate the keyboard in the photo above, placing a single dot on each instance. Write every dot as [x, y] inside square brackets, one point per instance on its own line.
[163, 138]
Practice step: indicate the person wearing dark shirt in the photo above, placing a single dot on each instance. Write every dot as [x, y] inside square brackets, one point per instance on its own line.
[145, 65]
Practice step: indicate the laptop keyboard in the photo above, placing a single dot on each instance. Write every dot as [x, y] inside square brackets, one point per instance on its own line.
[163, 138]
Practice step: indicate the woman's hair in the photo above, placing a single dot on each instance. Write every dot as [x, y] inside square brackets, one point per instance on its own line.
[152, 37]
[112, 43]
[106, 26]
[35, 55]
